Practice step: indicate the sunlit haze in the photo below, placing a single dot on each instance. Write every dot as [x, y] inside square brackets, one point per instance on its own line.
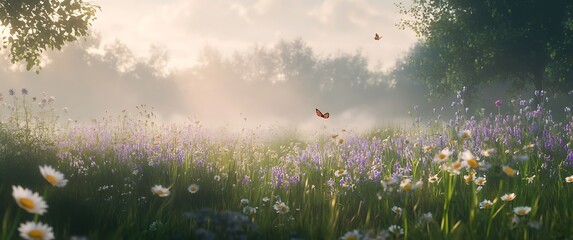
[174, 56]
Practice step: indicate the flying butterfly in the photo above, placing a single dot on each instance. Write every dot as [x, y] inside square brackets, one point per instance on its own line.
[319, 113]
[377, 37]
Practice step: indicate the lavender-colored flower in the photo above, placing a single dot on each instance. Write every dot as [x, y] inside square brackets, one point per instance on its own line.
[569, 158]
[498, 103]
[11, 92]
[24, 91]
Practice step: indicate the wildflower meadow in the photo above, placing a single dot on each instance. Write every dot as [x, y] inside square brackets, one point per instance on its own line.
[506, 174]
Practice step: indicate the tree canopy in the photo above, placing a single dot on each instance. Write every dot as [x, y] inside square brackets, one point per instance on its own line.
[469, 43]
[30, 27]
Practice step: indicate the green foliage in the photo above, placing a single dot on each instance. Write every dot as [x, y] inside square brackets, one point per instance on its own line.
[35, 26]
[469, 43]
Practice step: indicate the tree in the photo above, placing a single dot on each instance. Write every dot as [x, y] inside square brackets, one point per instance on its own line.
[469, 43]
[35, 26]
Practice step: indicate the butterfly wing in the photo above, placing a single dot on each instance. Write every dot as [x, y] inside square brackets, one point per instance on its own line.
[318, 113]
[326, 115]
[377, 37]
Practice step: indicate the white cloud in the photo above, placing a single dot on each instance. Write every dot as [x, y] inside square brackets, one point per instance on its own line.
[184, 27]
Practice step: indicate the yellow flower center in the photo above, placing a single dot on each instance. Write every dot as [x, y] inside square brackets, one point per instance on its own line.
[26, 203]
[193, 189]
[51, 179]
[36, 234]
[456, 165]
[521, 212]
[509, 171]
[465, 135]
[487, 205]
[353, 237]
[472, 163]
[407, 186]
[442, 156]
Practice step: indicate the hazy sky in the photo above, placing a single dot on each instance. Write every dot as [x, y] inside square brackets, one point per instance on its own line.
[118, 68]
[184, 27]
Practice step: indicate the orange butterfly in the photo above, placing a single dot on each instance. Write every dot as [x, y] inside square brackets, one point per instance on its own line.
[377, 37]
[319, 113]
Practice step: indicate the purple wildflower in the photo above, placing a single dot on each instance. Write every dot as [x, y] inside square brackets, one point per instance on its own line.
[11, 92]
[498, 103]
[24, 91]
[569, 158]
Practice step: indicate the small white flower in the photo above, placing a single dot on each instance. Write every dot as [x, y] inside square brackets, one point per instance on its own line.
[281, 207]
[465, 134]
[249, 210]
[480, 181]
[340, 172]
[488, 152]
[508, 197]
[53, 177]
[193, 188]
[509, 171]
[396, 230]
[160, 191]
[569, 179]
[433, 178]
[485, 204]
[245, 201]
[351, 235]
[36, 231]
[426, 218]
[443, 155]
[30, 201]
[524, 210]
[397, 210]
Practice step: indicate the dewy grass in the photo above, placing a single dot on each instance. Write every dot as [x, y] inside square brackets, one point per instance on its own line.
[339, 184]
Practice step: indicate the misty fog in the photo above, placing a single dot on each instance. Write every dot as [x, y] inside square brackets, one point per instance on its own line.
[263, 86]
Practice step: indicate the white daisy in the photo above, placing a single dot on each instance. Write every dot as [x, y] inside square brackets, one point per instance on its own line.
[569, 179]
[480, 181]
[36, 231]
[508, 197]
[53, 176]
[469, 160]
[28, 200]
[351, 235]
[443, 155]
[509, 171]
[524, 210]
[281, 207]
[340, 172]
[193, 188]
[160, 191]
[465, 134]
[485, 204]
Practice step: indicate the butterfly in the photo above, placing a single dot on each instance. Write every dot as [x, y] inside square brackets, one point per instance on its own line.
[377, 37]
[319, 113]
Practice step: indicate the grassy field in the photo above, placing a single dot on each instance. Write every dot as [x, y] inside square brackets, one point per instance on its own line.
[475, 176]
